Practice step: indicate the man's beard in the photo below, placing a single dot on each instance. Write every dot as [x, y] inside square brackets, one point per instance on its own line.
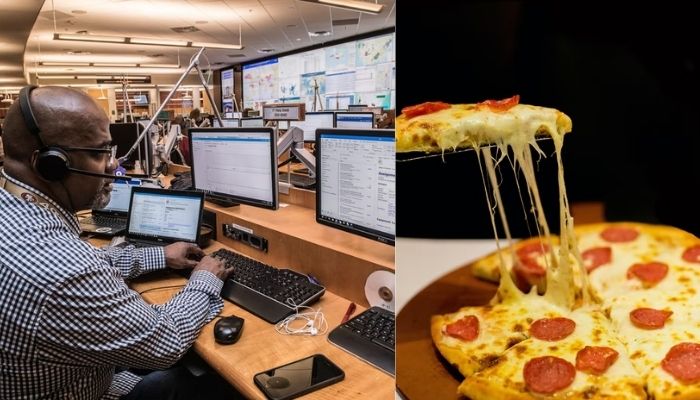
[102, 197]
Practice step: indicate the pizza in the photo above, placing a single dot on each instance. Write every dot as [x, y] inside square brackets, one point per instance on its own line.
[437, 126]
[603, 311]
[644, 304]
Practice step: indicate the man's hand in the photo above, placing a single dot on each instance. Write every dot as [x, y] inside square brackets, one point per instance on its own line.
[182, 255]
[215, 266]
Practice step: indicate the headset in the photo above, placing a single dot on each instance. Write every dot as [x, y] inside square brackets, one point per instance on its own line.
[53, 162]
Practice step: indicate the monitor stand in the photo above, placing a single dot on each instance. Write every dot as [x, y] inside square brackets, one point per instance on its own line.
[221, 201]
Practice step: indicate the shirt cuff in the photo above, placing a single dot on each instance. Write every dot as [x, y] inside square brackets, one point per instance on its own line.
[208, 283]
[153, 258]
[205, 281]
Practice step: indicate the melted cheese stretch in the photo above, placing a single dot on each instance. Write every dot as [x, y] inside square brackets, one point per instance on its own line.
[560, 287]
[468, 125]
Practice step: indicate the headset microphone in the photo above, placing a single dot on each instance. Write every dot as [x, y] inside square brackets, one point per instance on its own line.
[99, 175]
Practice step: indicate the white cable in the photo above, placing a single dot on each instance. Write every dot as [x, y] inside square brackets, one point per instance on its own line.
[314, 322]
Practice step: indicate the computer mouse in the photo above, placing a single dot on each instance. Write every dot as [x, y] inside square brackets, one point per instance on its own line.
[227, 330]
[278, 382]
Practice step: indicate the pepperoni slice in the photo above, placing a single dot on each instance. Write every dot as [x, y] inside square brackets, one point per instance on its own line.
[619, 234]
[692, 254]
[548, 374]
[528, 272]
[552, 329]
[649, 318]
[424, 108]
[595, 360]
[683, 362]
[595, 257]
[500, 105]
[466, 328]
[649, 273]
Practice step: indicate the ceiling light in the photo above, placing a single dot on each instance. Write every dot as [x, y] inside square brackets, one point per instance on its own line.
[104, 64]
[147, 41]
[354, 5]
[114, 65]
[110, 77]
[159, 42]
[159, 65]
[319, 33]
[265, 51]
[217, 45]
[64, 64]
[88, 38]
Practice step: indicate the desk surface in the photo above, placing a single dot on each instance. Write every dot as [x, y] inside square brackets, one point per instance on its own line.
[261, 347]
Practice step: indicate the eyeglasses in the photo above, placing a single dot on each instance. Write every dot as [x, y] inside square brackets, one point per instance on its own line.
[111, 150]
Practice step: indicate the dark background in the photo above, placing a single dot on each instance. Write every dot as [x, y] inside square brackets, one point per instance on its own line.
[626, 74]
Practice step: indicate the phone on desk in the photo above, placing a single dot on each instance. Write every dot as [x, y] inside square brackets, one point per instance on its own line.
[297, 378]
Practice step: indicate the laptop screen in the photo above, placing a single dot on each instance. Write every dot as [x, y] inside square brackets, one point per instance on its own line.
[164, 215]
[119, 199]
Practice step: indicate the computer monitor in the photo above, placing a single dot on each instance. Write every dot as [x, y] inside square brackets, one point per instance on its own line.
[236, 165]
[313, 121]
[228, 123]
[356, 181]
[119, 197]
[252, 122]
[123, 136]
[164, 215]
[354, 120]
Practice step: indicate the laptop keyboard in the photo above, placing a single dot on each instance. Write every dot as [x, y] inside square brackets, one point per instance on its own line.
[371, 336]
[102, 220]
[264, 290]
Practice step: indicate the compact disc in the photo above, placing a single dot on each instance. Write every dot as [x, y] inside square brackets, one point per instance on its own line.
[379, 289]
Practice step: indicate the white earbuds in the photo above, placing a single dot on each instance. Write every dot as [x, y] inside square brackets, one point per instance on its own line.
[315, 323]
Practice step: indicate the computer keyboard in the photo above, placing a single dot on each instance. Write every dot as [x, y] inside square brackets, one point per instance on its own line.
[103, 220]
[302, 181]
[369, 336]
[266, 291]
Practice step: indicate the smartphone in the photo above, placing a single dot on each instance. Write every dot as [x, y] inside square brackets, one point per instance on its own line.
[297, 378]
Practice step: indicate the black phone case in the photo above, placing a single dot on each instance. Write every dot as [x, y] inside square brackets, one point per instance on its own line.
[308, 389]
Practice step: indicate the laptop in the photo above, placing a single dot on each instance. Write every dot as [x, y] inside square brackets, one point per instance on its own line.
[158, 217]
[111, 220]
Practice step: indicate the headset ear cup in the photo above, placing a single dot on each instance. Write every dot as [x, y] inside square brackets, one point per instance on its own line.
[52, 163]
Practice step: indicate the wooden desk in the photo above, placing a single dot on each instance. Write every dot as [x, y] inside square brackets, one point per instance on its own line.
[261, 347]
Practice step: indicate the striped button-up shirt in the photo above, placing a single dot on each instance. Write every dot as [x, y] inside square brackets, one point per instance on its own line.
[67, 317]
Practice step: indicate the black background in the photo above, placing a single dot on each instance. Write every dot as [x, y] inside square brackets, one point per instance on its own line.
[627, 75]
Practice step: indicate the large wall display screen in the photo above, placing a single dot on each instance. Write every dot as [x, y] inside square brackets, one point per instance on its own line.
[357, 72]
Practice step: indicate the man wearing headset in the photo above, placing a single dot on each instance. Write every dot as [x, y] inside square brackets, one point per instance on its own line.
[67, 317]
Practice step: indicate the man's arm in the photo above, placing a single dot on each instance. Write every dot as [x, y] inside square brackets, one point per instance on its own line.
[95, 318]
[132, 261]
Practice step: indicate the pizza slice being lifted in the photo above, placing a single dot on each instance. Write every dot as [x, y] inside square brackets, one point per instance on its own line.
[437, 126]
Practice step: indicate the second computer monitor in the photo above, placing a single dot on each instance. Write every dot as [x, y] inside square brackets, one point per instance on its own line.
[236, 164]
[354, 120]
[252, 122]
[356, 181]
[313, 121]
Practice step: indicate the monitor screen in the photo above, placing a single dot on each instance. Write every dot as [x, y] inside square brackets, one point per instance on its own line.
[120, 197]
[140, 100]
[236, 164]
[313, 121]
[228, 123]
[123, 136]
[252, 122]
[354, 120]
[165, 214]
[356, 181]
